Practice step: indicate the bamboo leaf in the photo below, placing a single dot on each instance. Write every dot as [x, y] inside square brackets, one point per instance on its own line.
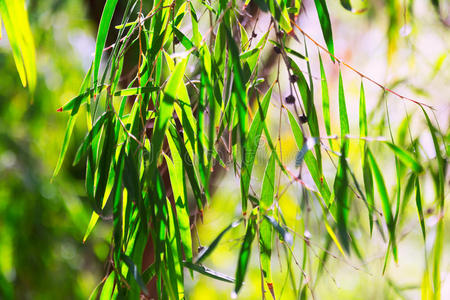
[15, 19]
[135, 272]
[136, 91]
[208, 250]
[384, 202]
[241, 105]
[253, 139]
[208, 272]
[108, 288]
[342, 200]
[325, 24]
[244, 253]
[103, 29]
[285, 236]
[289, 50]
[367, 171]
[104, 165]
[419, 208]
[165, 110]
[310, 161]
[90, 136]
[343, 117]
[176, 173]
[71, 124]
[325, 99]
[265, 228]
[279, 11]
[333, 237]
[407, 158]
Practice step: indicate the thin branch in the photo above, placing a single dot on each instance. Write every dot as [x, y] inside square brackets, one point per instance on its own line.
[359, 73]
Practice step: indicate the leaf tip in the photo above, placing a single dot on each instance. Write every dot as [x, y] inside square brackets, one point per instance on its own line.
[59, 109]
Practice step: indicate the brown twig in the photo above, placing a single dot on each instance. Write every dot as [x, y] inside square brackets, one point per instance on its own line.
[340, 61]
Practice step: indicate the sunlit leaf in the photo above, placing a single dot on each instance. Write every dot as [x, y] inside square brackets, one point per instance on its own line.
[384, 201]
[208, 250]
[103, 27]
[15, 19]
[325, 24]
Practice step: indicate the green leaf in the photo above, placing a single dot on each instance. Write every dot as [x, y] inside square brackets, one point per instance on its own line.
[206, 251]
[325, 24]
[406, 157]
[268, 185]
[289, 50]
[343, 117]
[240, 95]
[208, 272]
[136, 91]
[177, 179]
[333, 236]
[440, 161]
[185, 41]
[384, 201]
[135, 272]
[285, 236]
[440, 182]
[108, 289]
[91, 135]
[149, 273]
[325, 99]
[165, 111]
[367, 171]
[71, 123]
[419, 209]
[253, 139]
[310, 161]
[103, 29]
[362, 114]
[244, 253]
[342, 199]
[265, 228]
[15, 19]
[104, 166]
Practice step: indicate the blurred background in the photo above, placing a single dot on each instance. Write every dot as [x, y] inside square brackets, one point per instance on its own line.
[42, 223]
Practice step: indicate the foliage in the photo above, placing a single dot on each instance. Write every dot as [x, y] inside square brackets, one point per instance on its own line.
[198, 103]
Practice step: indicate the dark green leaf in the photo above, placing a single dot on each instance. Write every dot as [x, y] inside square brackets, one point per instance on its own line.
[244, 253]
[135, 272]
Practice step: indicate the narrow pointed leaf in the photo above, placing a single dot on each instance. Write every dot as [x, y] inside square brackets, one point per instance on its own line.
[208, 250]
[208, 272]
[265, 228]
[285, 235]
[384, 202]
[71, 124]
[419, 208]
[325, 98]
[325, 24]
[103, 29]
[342, 199]
[343, 117]
[135, 272]
[405, 157]
[244, 253]
[17, 26]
